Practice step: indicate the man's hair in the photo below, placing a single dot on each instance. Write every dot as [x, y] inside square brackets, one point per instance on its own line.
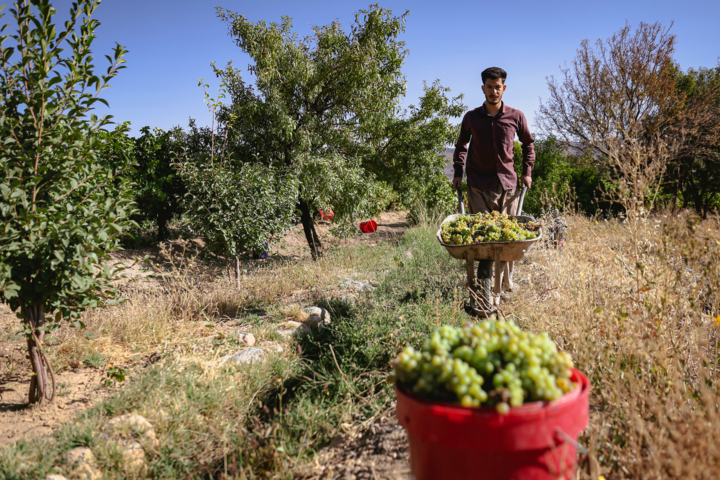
[493, 73]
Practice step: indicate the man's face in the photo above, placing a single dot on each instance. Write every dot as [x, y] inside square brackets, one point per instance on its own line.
[493, 90]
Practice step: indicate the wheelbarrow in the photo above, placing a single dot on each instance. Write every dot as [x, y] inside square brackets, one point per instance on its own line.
[499, 252]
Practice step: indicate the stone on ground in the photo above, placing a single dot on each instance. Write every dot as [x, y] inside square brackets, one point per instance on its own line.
[249, 355]
[292, 327]
[359, 286]
[83, 464]
[127, 429]
[318, 318]
[131, 425]
[247, 339]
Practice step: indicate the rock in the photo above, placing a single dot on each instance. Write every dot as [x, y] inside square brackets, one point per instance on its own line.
[82, 462]
[318, 318]
[359, 286]
[134, 454]
[349, 298]
[249, 355]
[247, 339]
[272, 346]
[55, 476]
[301, 330]
[130, 426]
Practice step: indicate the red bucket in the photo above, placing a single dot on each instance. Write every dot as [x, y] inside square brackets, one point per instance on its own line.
[329, 215]
[530, 442]
[368, 227]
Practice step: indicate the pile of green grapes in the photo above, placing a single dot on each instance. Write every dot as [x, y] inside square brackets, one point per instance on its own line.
[490, 363]
[483, 227]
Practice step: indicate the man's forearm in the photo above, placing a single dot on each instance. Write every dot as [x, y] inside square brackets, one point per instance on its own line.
[528, 151]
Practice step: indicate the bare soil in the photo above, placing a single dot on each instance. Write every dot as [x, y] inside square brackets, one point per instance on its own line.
[77, 389]
[294, 245]
[375, 451]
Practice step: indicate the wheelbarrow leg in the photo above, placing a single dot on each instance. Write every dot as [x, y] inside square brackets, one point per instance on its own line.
[484, 282]
[470, 263]
[499, 267]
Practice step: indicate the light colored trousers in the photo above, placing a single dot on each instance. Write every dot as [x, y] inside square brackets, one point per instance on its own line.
[503, 201]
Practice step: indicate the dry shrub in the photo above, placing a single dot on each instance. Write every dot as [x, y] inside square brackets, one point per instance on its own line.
[636, 304]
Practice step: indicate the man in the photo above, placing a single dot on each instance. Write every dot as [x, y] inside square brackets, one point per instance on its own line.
[492, 181]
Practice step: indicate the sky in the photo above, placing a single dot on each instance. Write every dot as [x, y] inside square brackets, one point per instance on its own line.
[172, 42]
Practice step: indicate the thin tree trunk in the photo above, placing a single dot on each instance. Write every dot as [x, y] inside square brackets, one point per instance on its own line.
[34, 318]
[309, 228]
[237, 272]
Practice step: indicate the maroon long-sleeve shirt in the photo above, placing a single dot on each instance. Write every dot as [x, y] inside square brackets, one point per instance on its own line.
[490, 157]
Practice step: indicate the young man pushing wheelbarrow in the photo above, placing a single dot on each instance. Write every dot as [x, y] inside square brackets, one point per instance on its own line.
[492, 182]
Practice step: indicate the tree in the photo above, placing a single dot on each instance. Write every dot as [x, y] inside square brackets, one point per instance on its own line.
[324, 107]
[619, 103]
[58, 220]
[238, 208]
[696, 167]
[407, 149]
[159, 188]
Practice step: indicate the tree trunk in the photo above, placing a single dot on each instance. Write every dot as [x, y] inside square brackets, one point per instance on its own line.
[34, 318]
[309, 228]
[163, 233]
[237, 272]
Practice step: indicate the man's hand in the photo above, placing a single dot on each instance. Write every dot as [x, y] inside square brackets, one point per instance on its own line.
[457, 182]
[527, 181]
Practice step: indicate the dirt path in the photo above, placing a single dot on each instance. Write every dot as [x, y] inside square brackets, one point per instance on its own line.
[378, 451]
[294, 245]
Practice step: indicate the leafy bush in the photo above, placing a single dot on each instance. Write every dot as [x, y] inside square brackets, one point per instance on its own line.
[237, 209]
[556, 175]
[437, 200]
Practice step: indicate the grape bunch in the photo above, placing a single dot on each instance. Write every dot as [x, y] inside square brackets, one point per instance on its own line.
[484, 227]
[490, 363]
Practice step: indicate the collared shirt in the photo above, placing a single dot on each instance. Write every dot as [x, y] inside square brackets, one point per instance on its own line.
[490, 157]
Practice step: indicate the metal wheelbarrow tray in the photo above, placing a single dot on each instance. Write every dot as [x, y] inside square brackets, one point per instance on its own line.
[499, 252]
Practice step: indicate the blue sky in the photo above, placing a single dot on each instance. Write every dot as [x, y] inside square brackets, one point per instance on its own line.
[171, 44]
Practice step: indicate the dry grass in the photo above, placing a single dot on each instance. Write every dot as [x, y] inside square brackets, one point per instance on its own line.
[186, 299]
[638, 310]
[636, 306]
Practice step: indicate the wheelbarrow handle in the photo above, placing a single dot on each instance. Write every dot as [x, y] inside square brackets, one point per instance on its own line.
[461, 203]
[522, 199]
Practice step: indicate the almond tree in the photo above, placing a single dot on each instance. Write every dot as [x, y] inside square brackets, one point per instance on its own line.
[62, 206]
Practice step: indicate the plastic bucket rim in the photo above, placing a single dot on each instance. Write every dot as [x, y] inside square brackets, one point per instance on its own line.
[525, 411]
[525, 407]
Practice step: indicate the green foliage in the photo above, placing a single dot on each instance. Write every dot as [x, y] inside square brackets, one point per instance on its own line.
[62, 204]
[407, 149]
[695, 174]
[159, 189]
[237, 208]
[326, 107]
[437, 200]
[557, 174]
[115, 374]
